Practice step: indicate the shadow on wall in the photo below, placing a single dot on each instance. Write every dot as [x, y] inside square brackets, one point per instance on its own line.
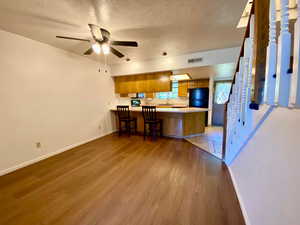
[230, 156]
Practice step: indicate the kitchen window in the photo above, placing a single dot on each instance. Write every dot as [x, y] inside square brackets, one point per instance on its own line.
[169, 95]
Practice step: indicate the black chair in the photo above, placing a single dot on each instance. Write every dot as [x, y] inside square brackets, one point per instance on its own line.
[124, 116]
[151, 122]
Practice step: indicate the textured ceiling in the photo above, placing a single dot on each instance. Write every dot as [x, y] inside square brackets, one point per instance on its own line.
[174, 26]
[219, 71]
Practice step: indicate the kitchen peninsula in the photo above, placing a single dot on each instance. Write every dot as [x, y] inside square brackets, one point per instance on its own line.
[177, 122]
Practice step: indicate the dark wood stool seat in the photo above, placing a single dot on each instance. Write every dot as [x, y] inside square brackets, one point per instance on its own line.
[151, 122]
[124, 116]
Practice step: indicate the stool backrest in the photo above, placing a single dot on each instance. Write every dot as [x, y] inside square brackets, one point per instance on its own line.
[149, 113]
[123, 111]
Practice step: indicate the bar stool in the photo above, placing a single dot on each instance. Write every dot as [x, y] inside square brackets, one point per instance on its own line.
[150, 119]
[124, 116]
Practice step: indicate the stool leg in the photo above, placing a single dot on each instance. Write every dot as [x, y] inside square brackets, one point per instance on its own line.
[120, 127]
[154, 131]
[144, 131]
[135, 126]
[128, 127]
[161, 127]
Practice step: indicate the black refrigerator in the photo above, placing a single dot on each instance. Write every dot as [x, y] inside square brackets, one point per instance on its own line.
[198, 97]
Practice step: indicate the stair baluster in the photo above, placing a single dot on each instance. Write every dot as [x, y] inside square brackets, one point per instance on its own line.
[282, 89]
[269, 91]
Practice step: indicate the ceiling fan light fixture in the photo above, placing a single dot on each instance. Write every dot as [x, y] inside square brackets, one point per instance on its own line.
[105, 48]
[101, 41]
[96, 48]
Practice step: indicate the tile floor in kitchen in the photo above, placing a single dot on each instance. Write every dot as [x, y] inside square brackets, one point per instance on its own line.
[210, 141]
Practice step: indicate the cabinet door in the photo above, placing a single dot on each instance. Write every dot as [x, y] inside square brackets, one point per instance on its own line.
[191, 84]
[182, 88]
[163, 82]
[144, 83]
[121, 85]
[202, 83]
[141, 83]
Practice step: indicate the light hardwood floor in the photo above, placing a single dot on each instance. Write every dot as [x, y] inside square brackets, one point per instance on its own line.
[122, 181]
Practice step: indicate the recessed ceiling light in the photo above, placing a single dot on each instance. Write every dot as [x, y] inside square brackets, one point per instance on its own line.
[179, 77]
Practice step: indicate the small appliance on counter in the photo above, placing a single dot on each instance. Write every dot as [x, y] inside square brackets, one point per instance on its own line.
[135, 102]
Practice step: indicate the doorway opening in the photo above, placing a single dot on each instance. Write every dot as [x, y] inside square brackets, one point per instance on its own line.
[212, 139]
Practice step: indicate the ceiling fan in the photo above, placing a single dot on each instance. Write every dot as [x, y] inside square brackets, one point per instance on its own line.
[101, 41]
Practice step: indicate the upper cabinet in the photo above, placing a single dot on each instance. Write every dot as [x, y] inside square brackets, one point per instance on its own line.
[143, 83]
[184, 86]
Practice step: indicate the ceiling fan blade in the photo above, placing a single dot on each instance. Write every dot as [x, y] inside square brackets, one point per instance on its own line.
[105, 34]
[116, 52]
[71, 38]
[89, 51]
[125, 43]
[96, 32]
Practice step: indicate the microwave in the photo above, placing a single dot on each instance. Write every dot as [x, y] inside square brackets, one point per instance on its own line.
[135, 102]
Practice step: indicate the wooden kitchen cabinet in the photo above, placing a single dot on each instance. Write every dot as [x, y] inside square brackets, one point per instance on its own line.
[202, 83]
[143, 83]
[184, 86]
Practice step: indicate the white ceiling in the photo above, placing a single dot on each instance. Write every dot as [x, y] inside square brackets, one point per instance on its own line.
[218, 72]
[175, 26]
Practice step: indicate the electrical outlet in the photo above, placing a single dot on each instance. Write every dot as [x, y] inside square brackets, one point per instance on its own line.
[38, 145]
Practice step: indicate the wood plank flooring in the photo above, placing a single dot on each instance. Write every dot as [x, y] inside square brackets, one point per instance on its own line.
[122, 181]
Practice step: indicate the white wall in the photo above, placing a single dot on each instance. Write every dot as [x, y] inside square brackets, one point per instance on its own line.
[266, 173]
[213, 57]
[211, 100]
[50, 96]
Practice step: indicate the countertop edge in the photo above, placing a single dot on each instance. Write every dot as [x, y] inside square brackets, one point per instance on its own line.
[170, 110]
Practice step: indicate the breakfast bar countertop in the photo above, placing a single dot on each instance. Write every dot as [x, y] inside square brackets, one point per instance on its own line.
[169, 110]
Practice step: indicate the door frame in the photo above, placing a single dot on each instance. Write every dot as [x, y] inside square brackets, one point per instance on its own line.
[213, 101]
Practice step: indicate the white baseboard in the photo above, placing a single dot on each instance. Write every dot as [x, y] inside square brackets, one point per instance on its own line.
[242, 205]
[40, 158]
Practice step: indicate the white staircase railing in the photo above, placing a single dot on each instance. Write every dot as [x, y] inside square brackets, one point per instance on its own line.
[239, 115]
[282, 80]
